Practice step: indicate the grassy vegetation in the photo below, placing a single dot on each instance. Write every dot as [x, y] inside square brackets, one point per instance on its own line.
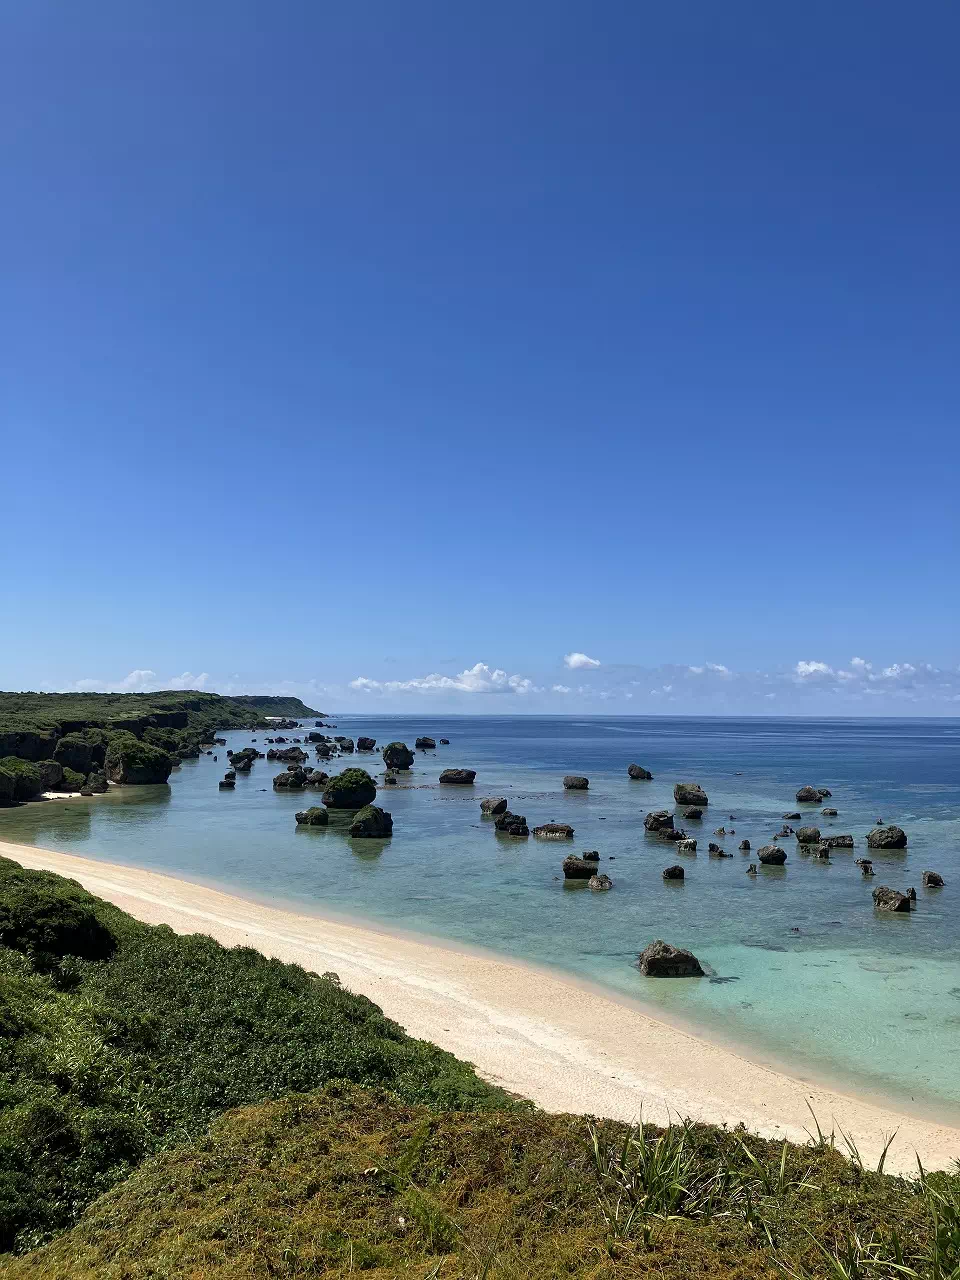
[346, 1181]
[118, 1039]
[28, 710]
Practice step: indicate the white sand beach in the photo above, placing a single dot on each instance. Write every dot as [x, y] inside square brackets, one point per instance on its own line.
[566, 1046]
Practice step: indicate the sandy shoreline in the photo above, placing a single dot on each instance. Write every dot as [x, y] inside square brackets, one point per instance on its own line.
[565, 1046]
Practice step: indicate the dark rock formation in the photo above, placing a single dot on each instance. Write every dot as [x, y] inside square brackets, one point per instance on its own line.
[134, 763]
[554, 831]
[511, 824]
[292, 779]
[639, 773]
[591, 855]
[390, 780]
[844, 841]
[425, 744]
[693, 814]
[686, 846]
[673, 873]
[444, 742]
[352, 789]
[227, 784]
[459, 777]
[96, 782]
[372, 823]
[885, 899]
[397, 755]
[659, 820]
[744, 846]
[690, 793]
[346, 745]
[316, 778]
[288, 755]
[828, 813]
[887, 838]
[312, 817]
[578, 868]
[772, 855]
[51, 774]
[808, 835]
[574, 782]
[792, 817]
[661, 960]
[494, 805]
[932, 880]
[73, 751]
[808, 795]
[600, 883]
[752, 869]
[231, 775]
[366, 744]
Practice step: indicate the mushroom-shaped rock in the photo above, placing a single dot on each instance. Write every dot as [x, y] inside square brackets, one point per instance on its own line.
[844, 841]
[828, 813]
[661, 960]
[352, 789]
[885, 899]
[639, 773]
[686, 845]
[372, 823]
[458, 777]
[511, 824]
[494, 805]
[366, 744]
[887, 838]
[932, 880]
[808, 835]
[600, 883]
[397, 755]
[312, 817]
[772, 855]
[554, 831]
[659, 820]
[673, 873]
[690, 793]
[575, 782]
[693, 814]
[808, 795]
[578, 868]
[425, 744]
[744, 846]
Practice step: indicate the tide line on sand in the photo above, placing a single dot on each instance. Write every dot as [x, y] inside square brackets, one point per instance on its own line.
[565, 1046]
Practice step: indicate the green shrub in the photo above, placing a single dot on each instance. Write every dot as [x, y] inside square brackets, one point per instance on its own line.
[45, 922]
[75, 752]
[72, 781]
[28, 780]
[132, 761]
[352, 789]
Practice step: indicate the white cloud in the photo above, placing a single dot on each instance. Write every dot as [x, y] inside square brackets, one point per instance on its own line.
[804, 670]
[188, 680]
[860, 664]
[697, 671]
[719, 668]
[138, 681]
[577, 661]
[562, 688]
[476, 679]
[898, 670]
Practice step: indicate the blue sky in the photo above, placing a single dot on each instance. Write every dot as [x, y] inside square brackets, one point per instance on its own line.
[373, 342]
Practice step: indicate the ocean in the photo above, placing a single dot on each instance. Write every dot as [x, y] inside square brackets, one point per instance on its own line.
[803, 973]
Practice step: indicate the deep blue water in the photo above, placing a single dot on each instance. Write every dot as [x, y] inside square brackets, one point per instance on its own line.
[815, 979]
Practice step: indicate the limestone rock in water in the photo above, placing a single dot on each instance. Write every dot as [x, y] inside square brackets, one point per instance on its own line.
[808, 795]
[397, 755]
[590, 855]
[352, 789]
[51, 774]
[578, 868]
[828, 813]
[243, 764]
[74, 752]
[823, 793]
[288, 755]
[887, 838]
[554, 831]
[752, 869]
[808, 835]
[785, 831]
[686, 846]
[134, 763]
[932, 880]
[772, 855]
[865, 865]
[227, 784]
[660, 820]
[600, 883]
[230, 775]
[511, 824]
[390, 780]
[425, 744]
[792, 817]
[574, 782]
[346, 745]
[494, 805]
[312, 817]
[444, 742]
[639, 773]
[459, 777]
[661, 960]
[885, 899]
[96, 782]
[673, 873]
[745, 846]
[372, 823]
[316, 778]
[838, 842]
[690, 793]
[366, 744]
[693, 814]
[292, 779]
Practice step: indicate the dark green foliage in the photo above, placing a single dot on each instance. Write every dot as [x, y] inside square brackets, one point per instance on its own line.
[75, 751]
[8, 786]
[351, 789]
[397, 755]
[312, 817]
[132, 761]
[72, 781]
[372, 822]
[28, 781]
[105, 1061]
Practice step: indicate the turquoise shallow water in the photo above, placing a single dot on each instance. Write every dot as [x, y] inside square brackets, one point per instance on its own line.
[809, 975]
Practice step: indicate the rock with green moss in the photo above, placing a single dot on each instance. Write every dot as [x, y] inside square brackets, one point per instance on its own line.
[372, 822]
[352, 789]
[75, 752]
[397, 755]
[8, 788]
[51, 775]
[96, 782]
[312, 817]
[72, 781]
[134, 763]
[28, 780]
